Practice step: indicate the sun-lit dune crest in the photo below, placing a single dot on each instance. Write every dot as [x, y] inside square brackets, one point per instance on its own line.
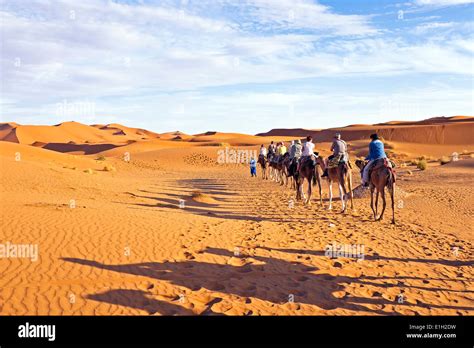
[174, 135]
[118, 129]
[436, 130]
[60, 133]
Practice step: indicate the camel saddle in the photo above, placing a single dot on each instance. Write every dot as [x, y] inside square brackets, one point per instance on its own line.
[306, 159]
[337, 160]
[384, 162]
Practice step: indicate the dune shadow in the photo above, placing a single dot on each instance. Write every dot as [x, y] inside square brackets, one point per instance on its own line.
[88, 149]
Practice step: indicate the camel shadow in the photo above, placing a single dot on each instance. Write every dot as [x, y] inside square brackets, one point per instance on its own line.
[138, 299]
[451, 263]
[217, 210]
[269, 279]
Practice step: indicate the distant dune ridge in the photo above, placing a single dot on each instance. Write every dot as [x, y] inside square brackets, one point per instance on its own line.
[436, 130]
[78, 138]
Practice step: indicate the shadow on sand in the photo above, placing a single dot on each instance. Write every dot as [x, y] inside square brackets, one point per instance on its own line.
[274, 281]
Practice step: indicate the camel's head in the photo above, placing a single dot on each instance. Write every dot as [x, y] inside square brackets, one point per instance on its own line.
[360, 164]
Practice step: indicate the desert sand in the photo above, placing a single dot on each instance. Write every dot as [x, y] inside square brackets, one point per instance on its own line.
[131, 222]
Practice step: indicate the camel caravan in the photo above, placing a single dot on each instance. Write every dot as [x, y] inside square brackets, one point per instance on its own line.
[300, 164]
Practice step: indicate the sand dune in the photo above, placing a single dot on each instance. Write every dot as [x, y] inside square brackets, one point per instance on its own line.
[130, 133]
[439, 130]
[171, 231]
[72, 132]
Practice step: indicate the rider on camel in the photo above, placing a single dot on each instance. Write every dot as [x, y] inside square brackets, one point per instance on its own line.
[376, 152]
[308, 150]
[339, 152]
[271, 150]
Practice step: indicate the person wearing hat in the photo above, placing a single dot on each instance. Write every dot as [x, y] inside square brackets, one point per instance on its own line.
[376, 152]
[295, 153]
[295, 149]
[339, 152]
[271, 150]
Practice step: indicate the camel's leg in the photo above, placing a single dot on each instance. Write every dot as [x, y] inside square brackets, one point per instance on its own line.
[318, 178]
[351, 194]
[376, 202]
[310, 190]
[302, 189]
[392, 196]
[384, 203]
[330, 194]
[372, 201]
[343, 194]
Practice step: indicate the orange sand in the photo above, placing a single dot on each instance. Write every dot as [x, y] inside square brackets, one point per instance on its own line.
[117, 242]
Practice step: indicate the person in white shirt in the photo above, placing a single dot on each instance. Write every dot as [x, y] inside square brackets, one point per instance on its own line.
[308, 150]
[263, 151]
[308, 147]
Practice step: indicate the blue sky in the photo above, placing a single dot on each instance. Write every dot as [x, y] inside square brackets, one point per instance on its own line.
[240, 66]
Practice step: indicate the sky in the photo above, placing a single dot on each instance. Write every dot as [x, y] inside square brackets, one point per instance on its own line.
[235, 65]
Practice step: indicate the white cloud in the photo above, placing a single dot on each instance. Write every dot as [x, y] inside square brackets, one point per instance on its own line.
[111, 53]
[443, 2]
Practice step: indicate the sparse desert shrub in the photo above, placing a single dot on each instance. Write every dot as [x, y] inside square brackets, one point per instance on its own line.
[109, 168]
[197, 194]
[217, 144]
[88, 171]
[422, 164]
[421, 158]
[389, 146]
[100, 158]
[444, 160]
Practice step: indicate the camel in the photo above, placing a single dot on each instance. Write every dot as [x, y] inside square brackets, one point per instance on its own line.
[310, 172]
[282, 167]
[263, 163]
[381, 176]
[273, 168]
[341, 174]
[290, 171]
[277, 170]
